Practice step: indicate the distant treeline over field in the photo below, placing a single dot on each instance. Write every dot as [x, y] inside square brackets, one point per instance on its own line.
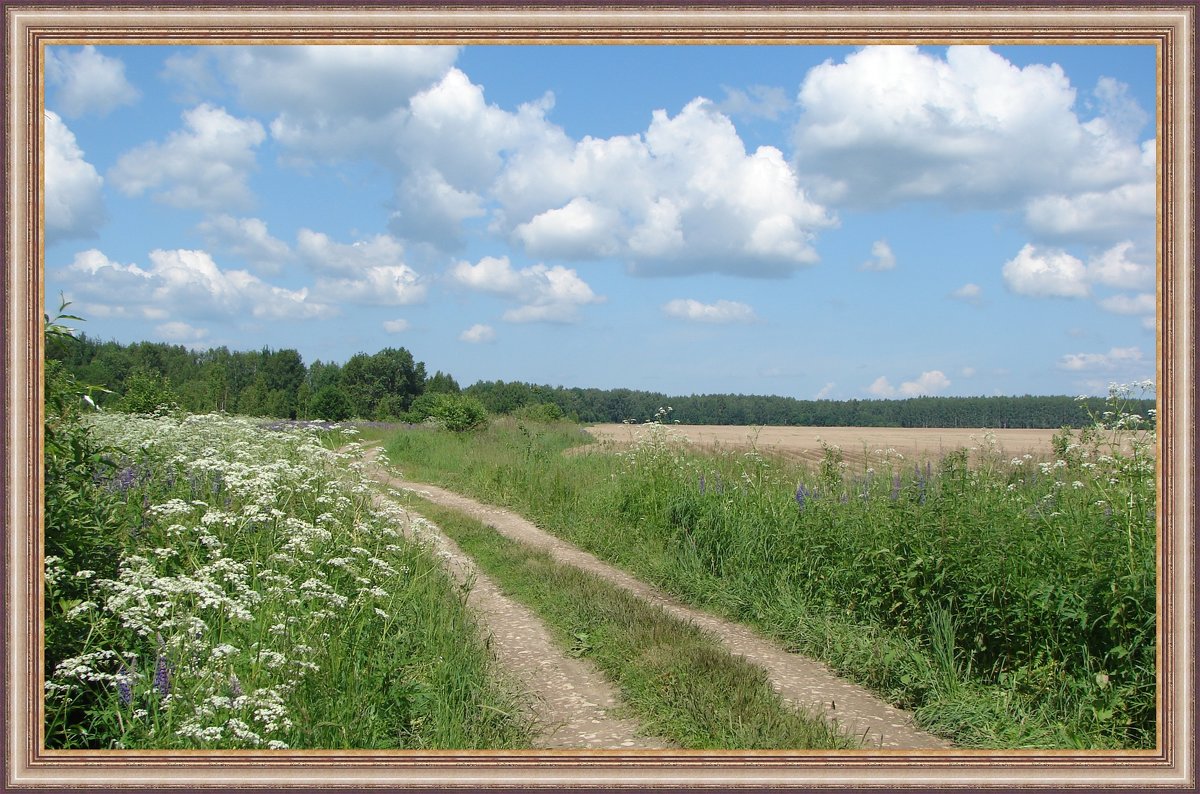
[391, 385]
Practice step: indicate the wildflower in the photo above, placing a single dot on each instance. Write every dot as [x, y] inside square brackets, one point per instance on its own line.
[162, 677]
[124, 690]
[235, 686]
[895, 487]
[802, 493]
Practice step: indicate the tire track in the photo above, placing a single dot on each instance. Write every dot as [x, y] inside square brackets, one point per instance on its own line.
[801, 681]
[571, 700]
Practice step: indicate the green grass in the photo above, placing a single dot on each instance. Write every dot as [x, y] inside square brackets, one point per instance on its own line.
[256, 597]
[1010, 603]
[677, 680]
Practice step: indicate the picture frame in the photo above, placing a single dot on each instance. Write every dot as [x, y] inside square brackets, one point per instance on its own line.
[30, 27]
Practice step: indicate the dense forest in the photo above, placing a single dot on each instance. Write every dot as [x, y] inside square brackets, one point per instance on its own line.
[391, 385]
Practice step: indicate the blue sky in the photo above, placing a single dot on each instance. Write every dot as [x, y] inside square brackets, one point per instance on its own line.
[812, 222]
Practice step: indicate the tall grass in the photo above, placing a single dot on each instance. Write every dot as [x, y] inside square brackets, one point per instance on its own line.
[256, 597]
[1010, 601]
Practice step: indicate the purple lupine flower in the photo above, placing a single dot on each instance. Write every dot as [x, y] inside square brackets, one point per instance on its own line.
[802, 493]
[124, 690]
[126, 479]
[235, 686]
[162, 677]
[895, 487]
[702, 484]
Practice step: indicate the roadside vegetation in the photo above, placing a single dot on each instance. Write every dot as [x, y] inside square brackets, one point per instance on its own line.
[212, 584]
[679, 682]
[1010, 602]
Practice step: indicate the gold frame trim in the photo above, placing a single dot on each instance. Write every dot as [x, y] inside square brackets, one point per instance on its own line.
[1170, 27]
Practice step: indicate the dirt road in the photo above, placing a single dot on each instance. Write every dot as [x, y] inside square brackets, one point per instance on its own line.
[805, 683]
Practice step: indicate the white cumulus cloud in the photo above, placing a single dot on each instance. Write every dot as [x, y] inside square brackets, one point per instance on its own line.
[205, 166]
[248, 239]
[395, 326]
[1115, 358]
[1142, 303]
[1116, 268]
[890, 124]
[970, 293]
[86, 81]
[73, 198]
[186, 284]
[1046, 273]
[478, 334]
[546, 294]
[720, 312]
[181, 332]
[926, 383]
[882, 257]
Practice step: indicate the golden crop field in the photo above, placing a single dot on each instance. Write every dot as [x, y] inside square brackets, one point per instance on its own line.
[856, 443]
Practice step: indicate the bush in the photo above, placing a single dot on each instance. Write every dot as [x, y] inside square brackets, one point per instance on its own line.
[147, 392]
[459, 412]
[331, 404]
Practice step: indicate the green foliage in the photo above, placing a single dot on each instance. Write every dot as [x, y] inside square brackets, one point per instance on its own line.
[330, 403]
[1013, 590]
[259, 598]
[147, 392]
[458, 412]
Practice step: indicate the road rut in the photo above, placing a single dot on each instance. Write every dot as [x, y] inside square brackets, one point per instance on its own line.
[801, 681]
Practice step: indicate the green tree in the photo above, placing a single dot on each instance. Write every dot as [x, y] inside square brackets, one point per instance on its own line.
[147, 392]
[331, 404]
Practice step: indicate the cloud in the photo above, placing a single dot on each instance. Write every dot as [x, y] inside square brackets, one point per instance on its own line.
[478, 334]
[970, 293]
[1115, 358]
[429, 209]
[369, 272]
[891, 124]
[722, 312]
[204, 166]
[1094, 216]
[186, 284]
[74, 201]
[397, 285]
[322, 253]
[757, 101]
[1115, 268]
[683, 197]
[968, 372]
[546, 294]
[825, 391]
[396, 326]
[1046, 273]
[321, 84]
[246, 239]
[929, 382]
[882, 257]
[87, 82]
[579, 230]
[181, 332]
[1142, 303]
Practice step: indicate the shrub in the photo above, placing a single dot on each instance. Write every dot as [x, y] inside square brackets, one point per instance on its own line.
[459, 412]
[330, 403]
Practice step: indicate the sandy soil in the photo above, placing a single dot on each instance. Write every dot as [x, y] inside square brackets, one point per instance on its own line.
[857, 443]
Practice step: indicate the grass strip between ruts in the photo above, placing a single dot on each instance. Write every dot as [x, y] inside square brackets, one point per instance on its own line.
[674, 678]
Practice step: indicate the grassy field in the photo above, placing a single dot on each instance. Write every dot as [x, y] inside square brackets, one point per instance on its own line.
[1009, 599]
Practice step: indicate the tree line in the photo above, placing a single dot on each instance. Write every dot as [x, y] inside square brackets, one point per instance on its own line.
[391, 385]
